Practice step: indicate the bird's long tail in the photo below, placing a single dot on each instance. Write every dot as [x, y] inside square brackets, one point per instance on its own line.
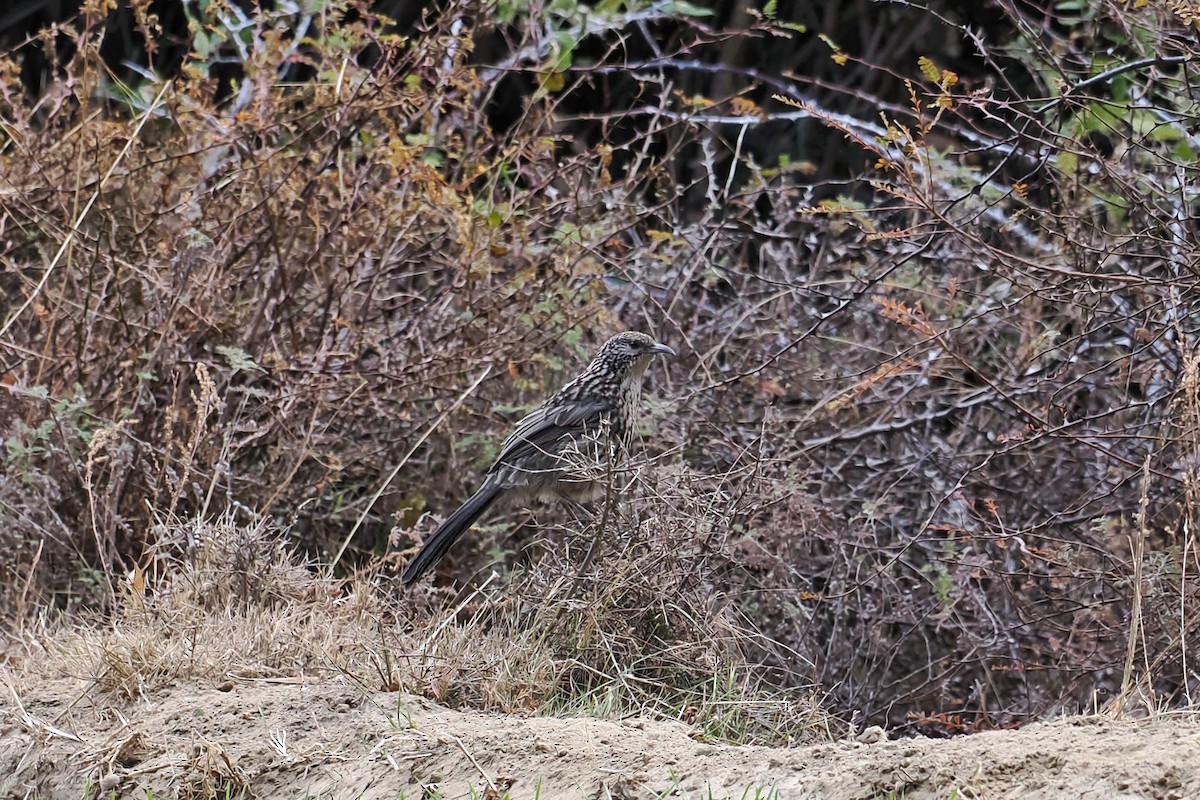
[448, 533]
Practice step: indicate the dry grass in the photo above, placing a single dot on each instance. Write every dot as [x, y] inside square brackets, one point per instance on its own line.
[642, 636]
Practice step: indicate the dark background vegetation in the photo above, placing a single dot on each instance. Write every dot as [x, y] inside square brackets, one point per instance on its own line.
[931, 272]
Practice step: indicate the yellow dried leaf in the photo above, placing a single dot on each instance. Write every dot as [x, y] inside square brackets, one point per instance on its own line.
[929, 69]
[136, 580]
[746, 108]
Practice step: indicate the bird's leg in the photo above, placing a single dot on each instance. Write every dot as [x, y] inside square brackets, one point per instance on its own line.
[607, 499]
[585, 519]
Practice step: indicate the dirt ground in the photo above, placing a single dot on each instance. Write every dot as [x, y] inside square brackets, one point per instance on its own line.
[327, 739]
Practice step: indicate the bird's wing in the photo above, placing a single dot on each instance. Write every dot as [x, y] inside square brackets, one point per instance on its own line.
[538, 432]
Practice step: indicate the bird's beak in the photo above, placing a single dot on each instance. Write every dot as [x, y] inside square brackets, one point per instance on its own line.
[662, 349]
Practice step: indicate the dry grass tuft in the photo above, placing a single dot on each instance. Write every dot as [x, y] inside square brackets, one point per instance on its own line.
[234, 603]
[644, 634]
[651, 625]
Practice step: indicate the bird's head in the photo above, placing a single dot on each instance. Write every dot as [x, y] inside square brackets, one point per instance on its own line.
[632, 351]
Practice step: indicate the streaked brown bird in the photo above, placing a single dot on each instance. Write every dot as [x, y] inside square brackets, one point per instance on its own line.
[564, 449]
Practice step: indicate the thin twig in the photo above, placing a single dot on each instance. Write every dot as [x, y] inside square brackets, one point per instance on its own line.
[491, 784]
[602, 526]
[70, 237]
[1137, 548]
[420, 441]
[32, 722]
[453, 615]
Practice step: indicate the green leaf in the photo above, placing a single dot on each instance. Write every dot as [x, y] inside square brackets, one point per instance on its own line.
[196, 238]
[1068, 163]
[239, 359]
[567, 42]
[203, 44]
[771, 9]
[829, 42]
[1161, 132]
[506, 12]
[685, 9]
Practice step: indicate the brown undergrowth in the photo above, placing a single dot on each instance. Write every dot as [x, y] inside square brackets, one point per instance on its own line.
[930, 443]
[642, 635]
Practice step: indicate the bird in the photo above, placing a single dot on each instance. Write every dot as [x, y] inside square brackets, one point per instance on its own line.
[562, 450]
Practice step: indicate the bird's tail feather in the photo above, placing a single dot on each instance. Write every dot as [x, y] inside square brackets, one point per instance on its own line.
[448, 533]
